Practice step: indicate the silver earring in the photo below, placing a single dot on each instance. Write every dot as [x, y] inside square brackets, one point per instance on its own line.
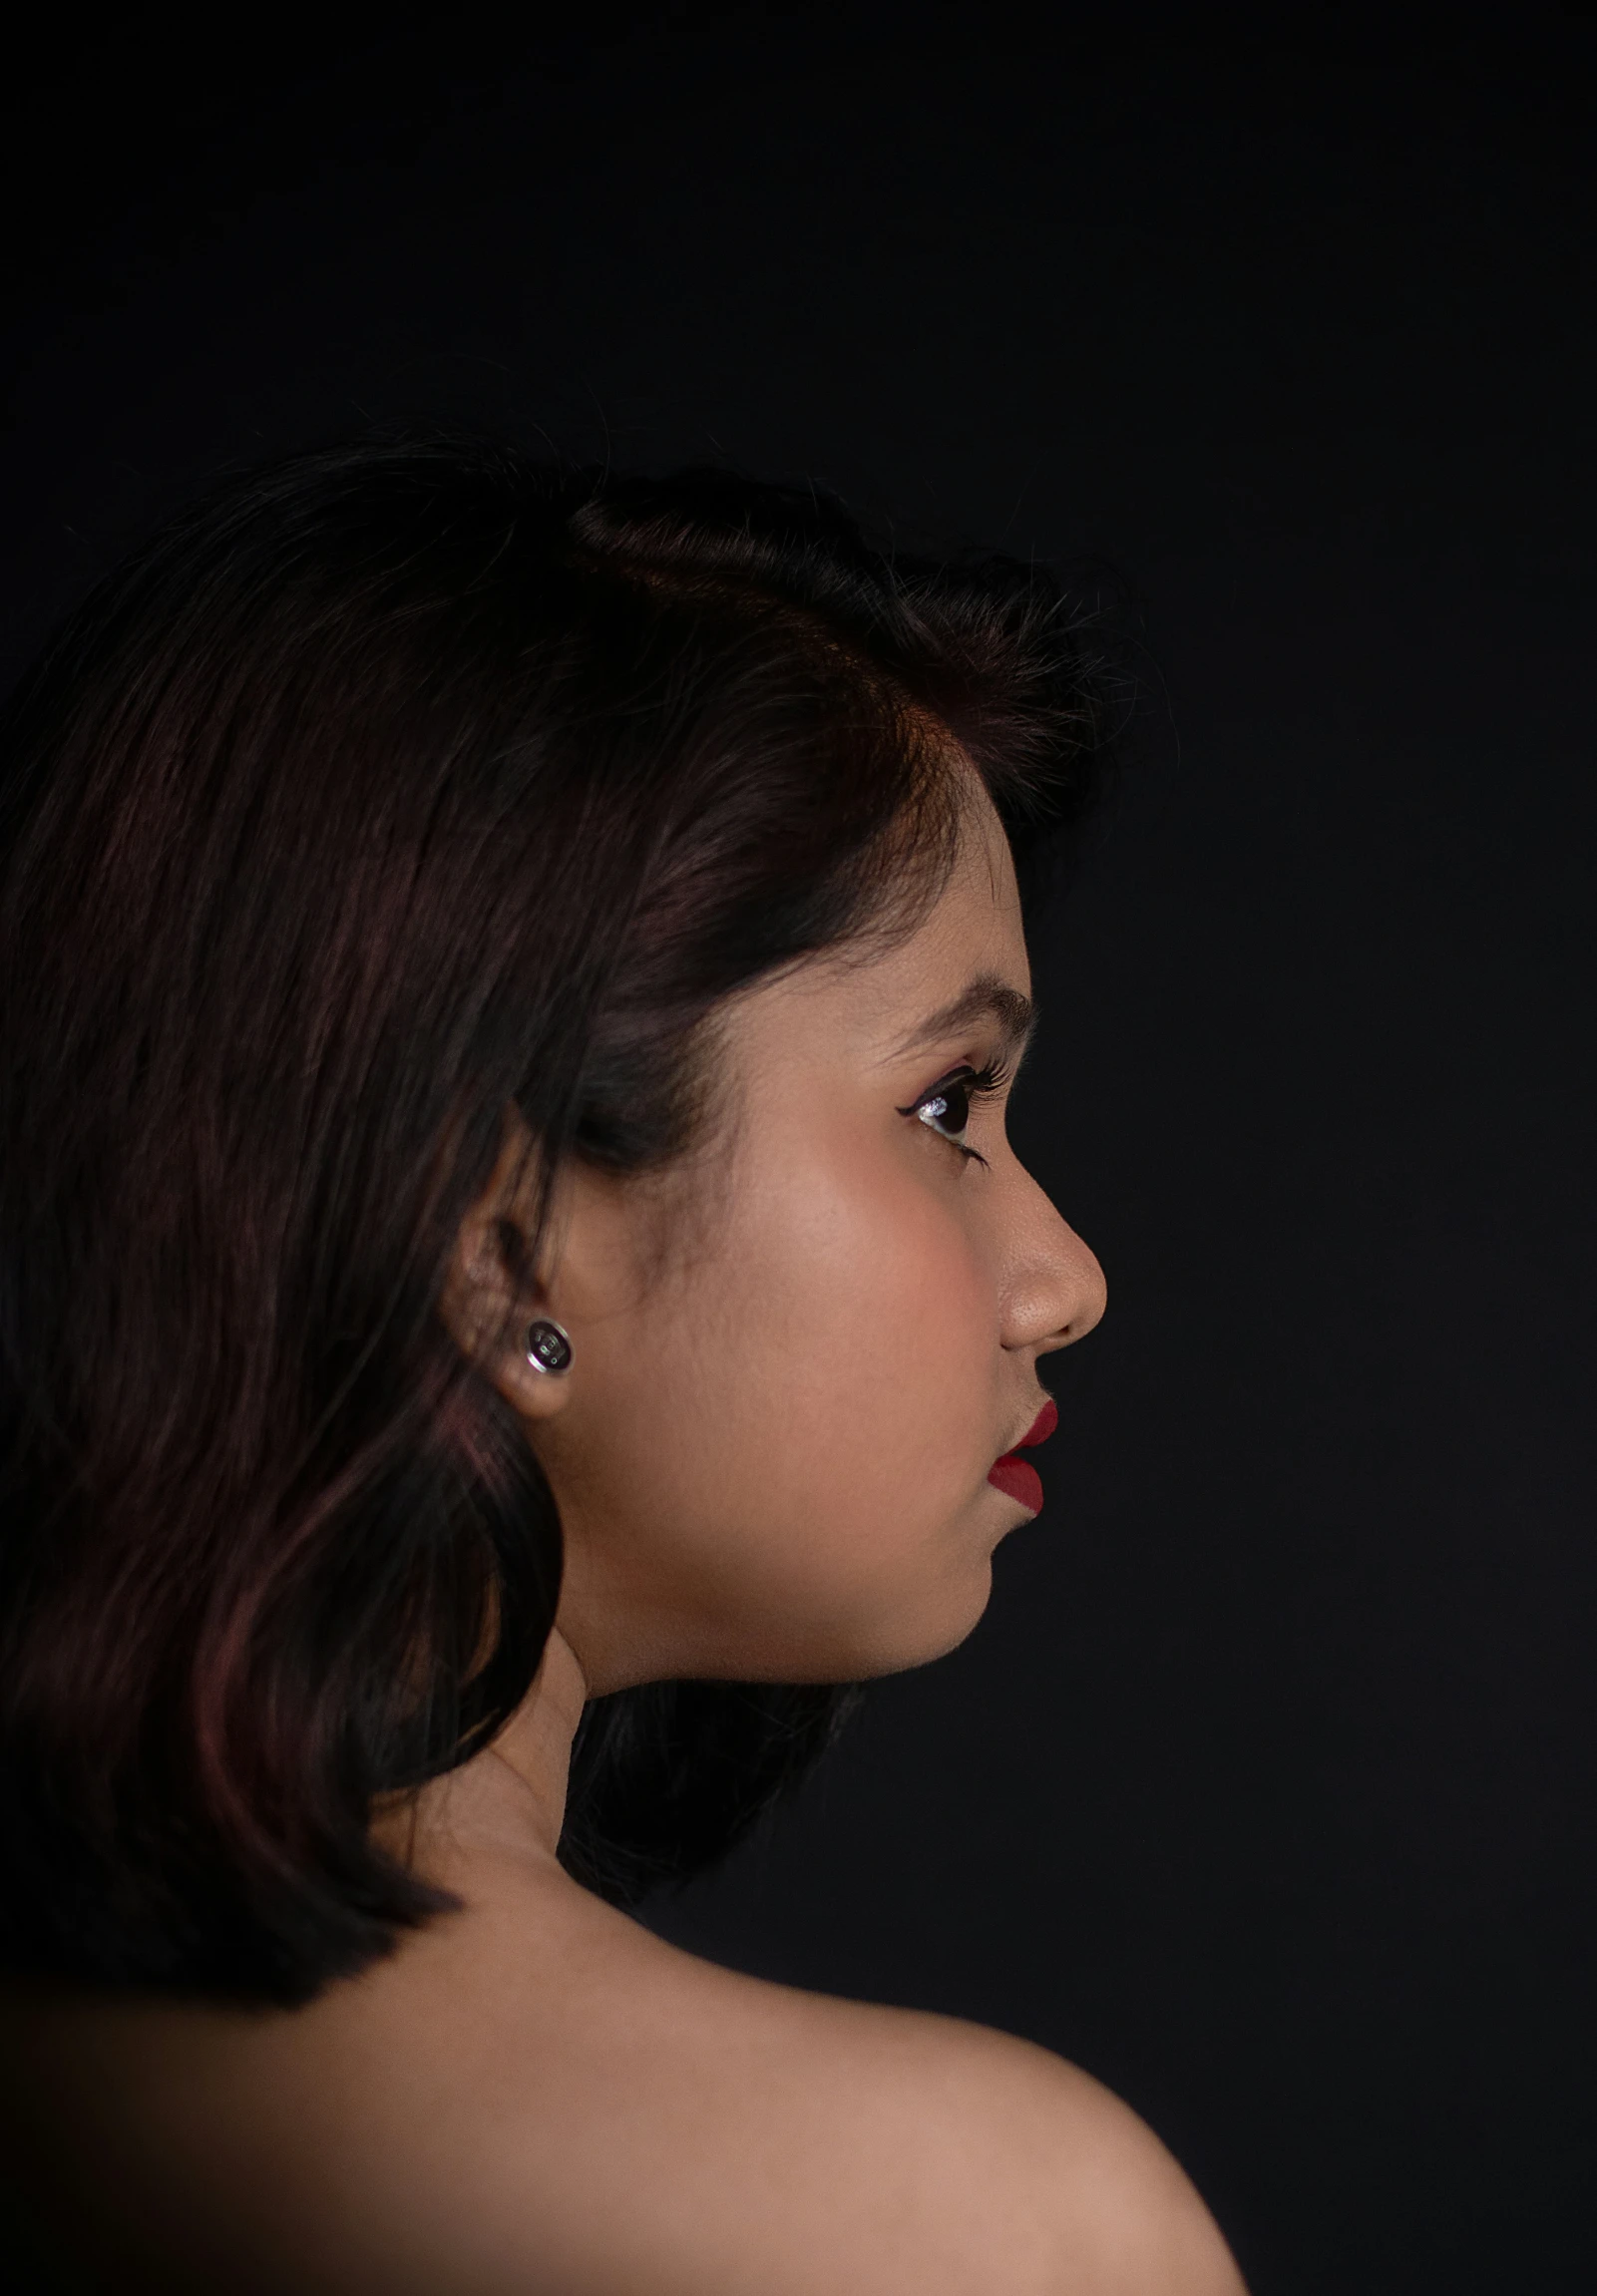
[549, 1346]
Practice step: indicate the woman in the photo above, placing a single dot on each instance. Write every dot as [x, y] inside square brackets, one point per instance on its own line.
[513, 1284]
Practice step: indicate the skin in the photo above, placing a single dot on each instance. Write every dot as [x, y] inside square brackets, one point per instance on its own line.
[794, 1362]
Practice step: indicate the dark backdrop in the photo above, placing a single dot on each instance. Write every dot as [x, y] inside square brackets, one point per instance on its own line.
[1265, 1788]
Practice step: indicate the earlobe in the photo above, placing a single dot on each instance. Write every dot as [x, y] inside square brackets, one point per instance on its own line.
[529, 1364]
[532, 1374]
[526, 1355]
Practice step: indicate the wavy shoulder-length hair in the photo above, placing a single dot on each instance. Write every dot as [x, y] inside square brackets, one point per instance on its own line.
[389, 789]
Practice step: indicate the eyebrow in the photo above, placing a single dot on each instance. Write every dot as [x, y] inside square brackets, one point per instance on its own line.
[986, 998]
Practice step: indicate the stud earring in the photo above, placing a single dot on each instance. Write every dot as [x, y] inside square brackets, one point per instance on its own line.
[549, 1346]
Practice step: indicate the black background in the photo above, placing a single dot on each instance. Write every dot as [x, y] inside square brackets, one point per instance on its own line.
[1265, 1788]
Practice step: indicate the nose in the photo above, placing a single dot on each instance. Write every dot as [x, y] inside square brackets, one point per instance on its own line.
[1054, 1287]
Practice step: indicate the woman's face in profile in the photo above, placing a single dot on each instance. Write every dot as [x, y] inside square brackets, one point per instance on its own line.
[796, 1360]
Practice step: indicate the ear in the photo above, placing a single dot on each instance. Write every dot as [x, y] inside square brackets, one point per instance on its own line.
[488, 1300]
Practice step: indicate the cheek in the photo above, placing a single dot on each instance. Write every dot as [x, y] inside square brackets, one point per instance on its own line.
[834, 1380]
[877, 1319]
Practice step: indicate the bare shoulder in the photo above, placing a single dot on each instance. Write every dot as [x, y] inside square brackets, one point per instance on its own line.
[1019, 2169]
[734, 2135]
[1111, 2210]
[537, 2097]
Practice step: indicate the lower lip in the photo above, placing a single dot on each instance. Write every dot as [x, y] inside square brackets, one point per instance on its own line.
[1017, 1479]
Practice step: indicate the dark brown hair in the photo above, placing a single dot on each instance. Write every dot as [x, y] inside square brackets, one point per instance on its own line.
[390, 787]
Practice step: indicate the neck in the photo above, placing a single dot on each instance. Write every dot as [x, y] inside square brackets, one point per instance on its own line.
[510, 1798]
[536, 1743]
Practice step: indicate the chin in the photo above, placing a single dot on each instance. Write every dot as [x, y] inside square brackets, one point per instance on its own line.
[907, 1642]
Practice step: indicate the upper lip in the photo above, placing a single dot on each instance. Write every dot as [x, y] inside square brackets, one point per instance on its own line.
[1040, 1430]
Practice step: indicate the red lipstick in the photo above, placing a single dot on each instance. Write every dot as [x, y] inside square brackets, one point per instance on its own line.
[1017, 1477]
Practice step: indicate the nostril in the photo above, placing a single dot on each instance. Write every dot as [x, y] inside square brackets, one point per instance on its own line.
[1093, 1297]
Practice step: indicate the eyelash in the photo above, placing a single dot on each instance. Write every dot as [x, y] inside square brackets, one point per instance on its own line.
[976, 1084]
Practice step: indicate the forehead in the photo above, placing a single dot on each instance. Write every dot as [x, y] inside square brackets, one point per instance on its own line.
[875, 998]
[976, 922]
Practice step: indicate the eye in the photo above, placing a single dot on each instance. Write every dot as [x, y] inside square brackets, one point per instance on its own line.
[945, 1109]
[948, 1109]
